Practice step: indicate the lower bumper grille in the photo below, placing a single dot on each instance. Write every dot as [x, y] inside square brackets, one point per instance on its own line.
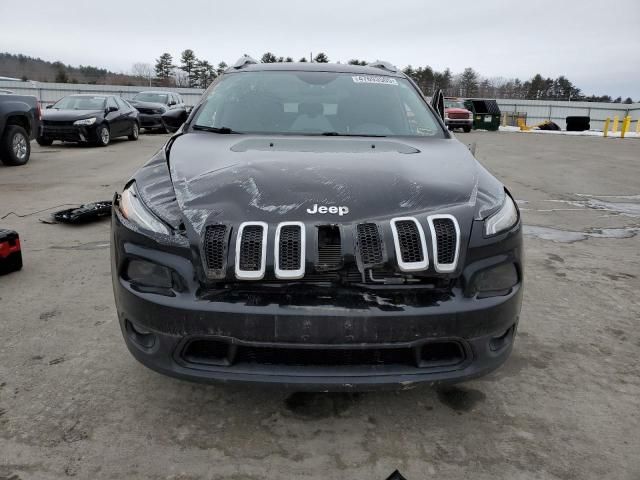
[221, 353]
[60, 130]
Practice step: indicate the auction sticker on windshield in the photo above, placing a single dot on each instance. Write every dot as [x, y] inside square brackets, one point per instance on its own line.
[374, 79]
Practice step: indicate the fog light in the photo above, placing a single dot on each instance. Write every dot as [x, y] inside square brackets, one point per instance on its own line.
[148, 274]
[501, 341]
[496, 281]
[139, 335]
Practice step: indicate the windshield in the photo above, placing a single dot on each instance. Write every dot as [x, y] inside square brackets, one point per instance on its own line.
[151, 97]
[316, 103]
[81, 102]
[453, 104]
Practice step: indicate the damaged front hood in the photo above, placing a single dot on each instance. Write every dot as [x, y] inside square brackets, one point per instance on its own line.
[236, 178]
[137, 103]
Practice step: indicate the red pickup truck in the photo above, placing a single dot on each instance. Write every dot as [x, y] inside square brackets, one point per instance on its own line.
[456, 116]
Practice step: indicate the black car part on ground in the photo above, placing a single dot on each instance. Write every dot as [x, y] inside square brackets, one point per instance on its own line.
[10, 252]
[549, 125]
[578, 123]
[85, 213]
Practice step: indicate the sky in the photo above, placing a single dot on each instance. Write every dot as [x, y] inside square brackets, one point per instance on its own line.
[596, 44]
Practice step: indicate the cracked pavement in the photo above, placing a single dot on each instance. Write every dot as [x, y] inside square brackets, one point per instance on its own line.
[566, 405]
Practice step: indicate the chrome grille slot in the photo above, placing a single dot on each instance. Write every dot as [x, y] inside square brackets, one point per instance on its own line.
[410, 244]
[290, 250]
[251, 245]
[369, 244]
[215, 247]
[445, 238]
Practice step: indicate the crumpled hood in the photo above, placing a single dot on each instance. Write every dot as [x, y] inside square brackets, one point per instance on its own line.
[236, 178]
[137, 103]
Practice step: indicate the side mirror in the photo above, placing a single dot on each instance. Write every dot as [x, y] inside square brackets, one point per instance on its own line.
[173, 119]
[112, 109]
[172, 103]
[437, 102]
[49, 106]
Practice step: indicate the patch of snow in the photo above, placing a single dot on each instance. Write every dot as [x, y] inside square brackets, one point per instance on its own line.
[587, 133]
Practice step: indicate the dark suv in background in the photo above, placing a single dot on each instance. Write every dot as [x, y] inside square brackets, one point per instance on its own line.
[153, 104]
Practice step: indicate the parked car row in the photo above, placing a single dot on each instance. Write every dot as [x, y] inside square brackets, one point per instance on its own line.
[84, 118]
[96, 119]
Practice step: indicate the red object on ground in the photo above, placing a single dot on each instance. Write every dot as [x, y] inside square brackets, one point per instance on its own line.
[10, 252]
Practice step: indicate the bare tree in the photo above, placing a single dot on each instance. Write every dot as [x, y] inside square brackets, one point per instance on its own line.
[181, 78]
[143, 71]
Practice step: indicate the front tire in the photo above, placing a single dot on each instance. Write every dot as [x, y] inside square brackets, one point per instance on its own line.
[135, 132]
[104, 136]
[15, 146]
[466, 129]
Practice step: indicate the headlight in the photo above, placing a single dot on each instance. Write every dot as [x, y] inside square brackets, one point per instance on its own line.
[86, 121]
[135, 211]
[470, 116]
[503, 219]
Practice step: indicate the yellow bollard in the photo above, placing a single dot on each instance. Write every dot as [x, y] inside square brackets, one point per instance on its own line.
[638, 127]
[615, 124]
[605, 130]
[625, 126]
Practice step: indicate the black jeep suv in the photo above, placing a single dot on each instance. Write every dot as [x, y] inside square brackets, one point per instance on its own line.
[316, 226]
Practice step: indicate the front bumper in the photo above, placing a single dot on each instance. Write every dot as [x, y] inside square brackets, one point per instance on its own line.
[151, 120]
[269, 336]
[70, 133]
[458, 122]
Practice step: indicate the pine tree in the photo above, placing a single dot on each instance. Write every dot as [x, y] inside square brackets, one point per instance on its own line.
[206, 73]
[189, 63]
[469, 82]
[164, 67]
[268, 57]
[222, 66]
[321, 58]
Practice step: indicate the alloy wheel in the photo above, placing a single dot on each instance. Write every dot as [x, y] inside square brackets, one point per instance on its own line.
[19, 145]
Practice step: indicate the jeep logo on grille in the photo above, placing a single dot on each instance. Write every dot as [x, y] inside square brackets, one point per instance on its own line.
[323, 209]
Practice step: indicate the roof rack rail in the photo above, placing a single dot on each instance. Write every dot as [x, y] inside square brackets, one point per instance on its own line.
[384, 66]
[243, 61]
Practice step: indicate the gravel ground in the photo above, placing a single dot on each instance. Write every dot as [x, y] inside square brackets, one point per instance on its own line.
[73, 402]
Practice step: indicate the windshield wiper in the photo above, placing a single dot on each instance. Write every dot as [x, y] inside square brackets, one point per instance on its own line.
[222, 130]
[338, 134]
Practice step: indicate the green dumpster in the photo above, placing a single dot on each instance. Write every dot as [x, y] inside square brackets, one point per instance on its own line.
[486, 113]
